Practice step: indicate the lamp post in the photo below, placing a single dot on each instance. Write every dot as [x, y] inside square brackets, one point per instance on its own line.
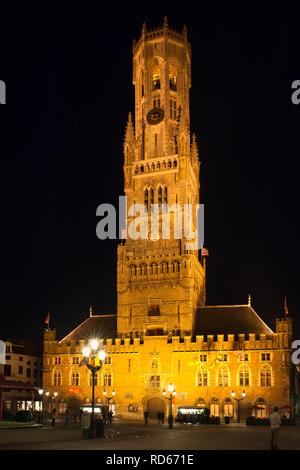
[41, 391]
[238, 402]
[90, 354]
[172, 393]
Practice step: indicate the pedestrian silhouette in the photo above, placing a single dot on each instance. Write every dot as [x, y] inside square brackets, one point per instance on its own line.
[53, 416]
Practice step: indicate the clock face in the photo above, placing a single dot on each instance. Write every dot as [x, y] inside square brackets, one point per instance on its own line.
[155, 116]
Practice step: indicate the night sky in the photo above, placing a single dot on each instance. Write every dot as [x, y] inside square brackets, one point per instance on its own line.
[68, 73]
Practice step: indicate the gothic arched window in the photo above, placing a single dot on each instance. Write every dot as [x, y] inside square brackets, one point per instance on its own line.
[266, 376]
[172, 78]
[223, 376]
[244, 376]
[156, 75]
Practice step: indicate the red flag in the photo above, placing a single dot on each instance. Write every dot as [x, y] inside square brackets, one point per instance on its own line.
[47, 320]
[286, 310]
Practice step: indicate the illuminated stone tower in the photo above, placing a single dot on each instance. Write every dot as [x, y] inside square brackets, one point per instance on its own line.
[160, 282]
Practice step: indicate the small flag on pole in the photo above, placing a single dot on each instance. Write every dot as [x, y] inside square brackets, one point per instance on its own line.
[47, 320]
[286, 310]
[204, 252]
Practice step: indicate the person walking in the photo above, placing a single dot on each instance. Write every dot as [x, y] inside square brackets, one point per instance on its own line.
[53, 417]
[67, 416]
[158, 417]
[275, 422]
[146, 417]
[162, 417]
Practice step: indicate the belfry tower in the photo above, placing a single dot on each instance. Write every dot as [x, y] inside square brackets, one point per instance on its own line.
[160, 282]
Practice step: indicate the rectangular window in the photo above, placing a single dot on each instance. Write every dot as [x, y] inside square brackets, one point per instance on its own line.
[246, 357]
[34, 373]
[223, 357]
[202, 378]
[265, 356]
[7, 358]
[21, 358]
[107, 379]
[57, 360]
[28, 373]
[107, 360]
[76, 360]
[7, 370]
[20, 369]
[7, 349]
[75, 379]
[156, 101]
[154, 381]
[203, 358]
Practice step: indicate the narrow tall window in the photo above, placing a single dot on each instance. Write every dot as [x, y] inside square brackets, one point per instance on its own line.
[107, 379]
[57, 378]
[173, 109]
[75, 379]
[156, 101]
[172, 78]
[160, 196]
[165, 195]
[146, 199]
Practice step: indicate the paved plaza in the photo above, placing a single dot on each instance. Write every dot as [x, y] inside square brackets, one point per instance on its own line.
[135, 435]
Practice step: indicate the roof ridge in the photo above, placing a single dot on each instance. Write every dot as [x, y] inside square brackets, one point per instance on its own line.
[271, 331]
[224, 306]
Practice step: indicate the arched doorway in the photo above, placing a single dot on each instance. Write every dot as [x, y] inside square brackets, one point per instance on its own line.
[154, 405]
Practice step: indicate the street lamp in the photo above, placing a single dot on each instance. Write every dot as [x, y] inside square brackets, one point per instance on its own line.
[238, 402]
[90, 354]
[172, 393]
[41, 391]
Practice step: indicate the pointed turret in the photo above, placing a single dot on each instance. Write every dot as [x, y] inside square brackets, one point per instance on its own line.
[129, 133]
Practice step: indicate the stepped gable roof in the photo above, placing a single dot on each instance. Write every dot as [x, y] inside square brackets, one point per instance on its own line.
[95, 326]
[229, 319]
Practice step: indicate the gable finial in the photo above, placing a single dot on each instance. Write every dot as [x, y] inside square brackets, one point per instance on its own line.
[165, 21]
[249, 300]
[91, 311]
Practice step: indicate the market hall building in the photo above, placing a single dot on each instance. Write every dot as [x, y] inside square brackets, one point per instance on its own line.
[163, 331]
